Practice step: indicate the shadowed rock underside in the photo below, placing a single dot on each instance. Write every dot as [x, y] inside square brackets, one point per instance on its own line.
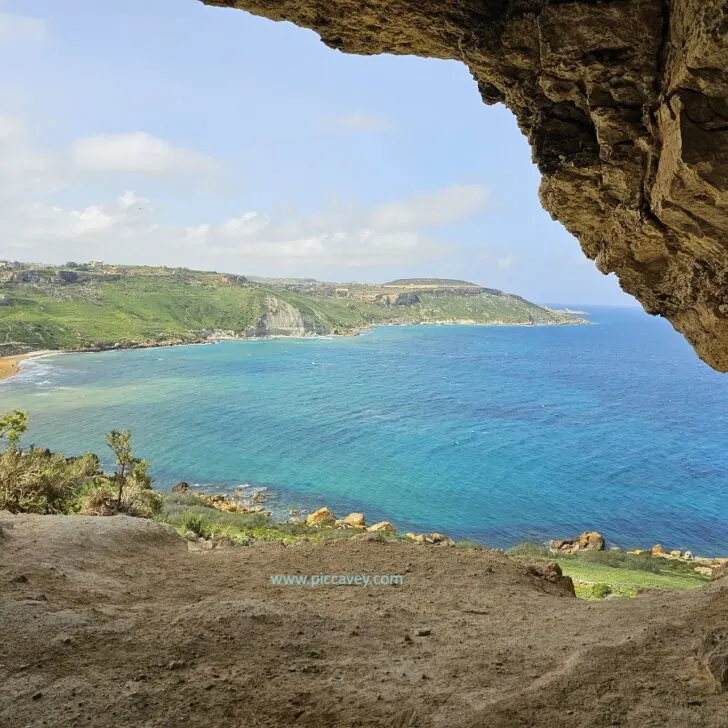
[625, 105]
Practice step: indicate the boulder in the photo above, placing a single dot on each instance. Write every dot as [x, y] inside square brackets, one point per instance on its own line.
[321, 517]
[181, 487]
[355, 520]
[657, 550]
[420, 538]
[587, 541]
[550, 573]
[436, 538]
[676, 554]
[382, 527]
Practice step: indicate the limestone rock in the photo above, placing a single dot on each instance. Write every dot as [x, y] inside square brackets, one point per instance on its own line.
[624, 106]
[550, 571]
[321, 517]
[587, 541]
[382, 527]
[420, 537]
[181, 487]
[283, 319]
[355, 520]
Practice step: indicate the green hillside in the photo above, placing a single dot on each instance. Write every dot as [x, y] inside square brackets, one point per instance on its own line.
[97, 307]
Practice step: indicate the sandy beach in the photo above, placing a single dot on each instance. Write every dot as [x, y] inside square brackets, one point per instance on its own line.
[10, 365]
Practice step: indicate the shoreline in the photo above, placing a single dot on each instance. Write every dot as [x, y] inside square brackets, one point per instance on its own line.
[264, 496]
[10, 365]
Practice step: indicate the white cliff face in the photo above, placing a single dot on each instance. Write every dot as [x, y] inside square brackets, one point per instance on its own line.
[282, 319]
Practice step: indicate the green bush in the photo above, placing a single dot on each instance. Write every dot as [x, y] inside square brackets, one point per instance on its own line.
[196, 523]
[41, 481]
[620, 559]
[101, 499]
[468, 544]
[530, 548]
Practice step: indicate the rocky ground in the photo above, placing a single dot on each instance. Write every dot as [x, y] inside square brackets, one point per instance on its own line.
[120, 622]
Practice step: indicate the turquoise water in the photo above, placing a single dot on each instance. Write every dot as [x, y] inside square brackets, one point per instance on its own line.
[495, 434]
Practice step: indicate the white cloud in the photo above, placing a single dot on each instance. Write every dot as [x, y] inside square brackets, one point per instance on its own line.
[128, 229]
[508, 262]
[136, 152]
[33, 224]
[10, 128]
[431, 209]
[361, 122]
[21, 29]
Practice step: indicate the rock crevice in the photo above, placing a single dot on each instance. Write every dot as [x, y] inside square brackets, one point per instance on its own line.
[625, 106]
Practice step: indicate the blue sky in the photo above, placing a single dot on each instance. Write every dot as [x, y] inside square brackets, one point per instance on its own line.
[173, 133]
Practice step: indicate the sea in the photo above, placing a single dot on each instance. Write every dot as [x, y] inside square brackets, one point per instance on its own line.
[496, 434]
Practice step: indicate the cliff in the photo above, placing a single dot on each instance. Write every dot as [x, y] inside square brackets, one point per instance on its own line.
[283, 319]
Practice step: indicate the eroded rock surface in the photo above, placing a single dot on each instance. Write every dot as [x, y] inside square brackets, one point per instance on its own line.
[625, 105]
[283, 319]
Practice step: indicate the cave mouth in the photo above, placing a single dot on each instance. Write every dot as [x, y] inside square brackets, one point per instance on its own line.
[625, 107]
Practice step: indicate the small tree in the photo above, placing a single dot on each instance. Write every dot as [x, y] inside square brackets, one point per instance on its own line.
[130, 470]
[120, 443]
[12, 425]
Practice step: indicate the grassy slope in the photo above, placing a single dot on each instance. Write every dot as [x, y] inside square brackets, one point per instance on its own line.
[621, 579]
[625, 574]
[134, 310]
[146, 308]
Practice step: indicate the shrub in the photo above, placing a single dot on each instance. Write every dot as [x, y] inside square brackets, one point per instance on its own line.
[468, 544]
[40, 481]
[102, 500]
[639, 562]
[98, 500]
[196, 523]
[600, 591]
[529, 548]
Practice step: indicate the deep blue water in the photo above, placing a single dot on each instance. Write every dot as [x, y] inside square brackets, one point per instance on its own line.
[495, 434]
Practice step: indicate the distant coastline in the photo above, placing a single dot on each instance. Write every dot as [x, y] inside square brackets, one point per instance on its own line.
[96, 307]
[11, 365]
